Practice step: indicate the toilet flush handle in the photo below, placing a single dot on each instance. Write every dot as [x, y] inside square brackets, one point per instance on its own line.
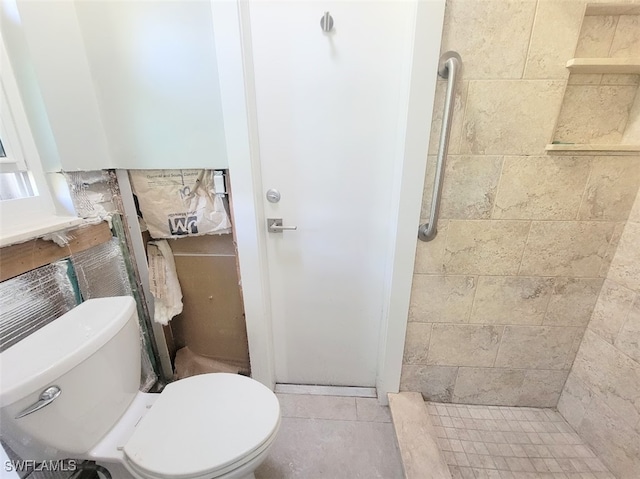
[46, 397]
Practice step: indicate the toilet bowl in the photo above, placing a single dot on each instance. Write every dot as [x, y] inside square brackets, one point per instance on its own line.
[215, 425]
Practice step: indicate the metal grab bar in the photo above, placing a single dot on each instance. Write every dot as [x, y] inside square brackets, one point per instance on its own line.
[450, 64]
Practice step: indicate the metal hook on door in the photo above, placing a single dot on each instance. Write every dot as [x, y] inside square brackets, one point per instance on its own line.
[326, 22]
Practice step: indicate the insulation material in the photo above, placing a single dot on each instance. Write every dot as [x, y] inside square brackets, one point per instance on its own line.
[163, 281]
[92, 193]
[177, 203]
[102, 272]
[34, 299]
[190, 364]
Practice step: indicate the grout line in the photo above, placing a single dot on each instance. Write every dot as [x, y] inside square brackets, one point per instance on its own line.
[584, 191]
[546, 307]
[615, 32]
[464, 114]
[524, 248]
[463, 133]
[499, 346]
[533, 27]
[429, 345]
[495, 200]
[473, 300]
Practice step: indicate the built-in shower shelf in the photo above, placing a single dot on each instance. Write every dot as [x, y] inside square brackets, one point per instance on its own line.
[605, 65]
[583, 148]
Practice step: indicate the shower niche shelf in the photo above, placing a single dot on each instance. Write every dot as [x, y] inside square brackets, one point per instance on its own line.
[592, 149]
[624, 66]
[589, 109]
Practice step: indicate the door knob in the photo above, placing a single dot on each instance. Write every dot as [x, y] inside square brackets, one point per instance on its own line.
[275, 226]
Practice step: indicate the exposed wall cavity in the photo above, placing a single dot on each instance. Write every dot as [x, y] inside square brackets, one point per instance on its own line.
[32, 300]
[94, 193]
[102, 272]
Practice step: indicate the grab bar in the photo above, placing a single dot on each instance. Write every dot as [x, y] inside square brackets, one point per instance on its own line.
[450, 64]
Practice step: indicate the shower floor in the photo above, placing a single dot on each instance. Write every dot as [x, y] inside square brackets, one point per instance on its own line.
[495, 442]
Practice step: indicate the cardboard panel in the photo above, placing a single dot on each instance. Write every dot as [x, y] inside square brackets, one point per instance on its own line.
[209, 244]
[212, 322]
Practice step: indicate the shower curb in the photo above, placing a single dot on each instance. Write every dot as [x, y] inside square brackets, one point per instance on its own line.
[419, 451]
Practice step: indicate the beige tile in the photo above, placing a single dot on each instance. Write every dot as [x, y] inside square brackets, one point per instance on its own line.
[427, 190]
[511, 300]
[611, 374]
[542, 188]
[535, 347]
[572, 301]
[484, 247]
[555, 33]
[495, 111]
[434, 382]
[430, 254]
[464, 345]
[416, 345]
[319, 449]
[488, 386]
[618, 79]
[612, 188]
[317, 407]
[628, 340]
[584, 79]
[611, 310]
[625, 267]
[634, 216]
[573, 351]
[541, 388]
[594, 114]
[618, 445]
[574, 400]
[416, 438]
[479, 31]
[441, 299]
[469, 187]
[456, 123]
[631, 135]
[596, 36]
[626, 41]
[369, 409]
[566, 248]
[611, 249]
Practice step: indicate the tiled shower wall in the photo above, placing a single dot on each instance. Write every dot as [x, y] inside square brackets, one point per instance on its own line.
[501, 298]
[601, 396]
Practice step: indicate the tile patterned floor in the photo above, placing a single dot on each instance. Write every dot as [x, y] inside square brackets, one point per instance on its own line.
[332, 437]
[491, 442]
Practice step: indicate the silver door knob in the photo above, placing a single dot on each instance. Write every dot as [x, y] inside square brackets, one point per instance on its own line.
[275, 226]
[273, 195]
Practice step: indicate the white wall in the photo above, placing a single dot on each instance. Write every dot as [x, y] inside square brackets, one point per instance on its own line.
[155, 73]
[122, 84]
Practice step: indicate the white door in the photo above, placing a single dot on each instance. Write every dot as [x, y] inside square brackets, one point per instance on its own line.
[328, 110]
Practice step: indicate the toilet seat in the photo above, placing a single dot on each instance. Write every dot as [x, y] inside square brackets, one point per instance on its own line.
[203, 426]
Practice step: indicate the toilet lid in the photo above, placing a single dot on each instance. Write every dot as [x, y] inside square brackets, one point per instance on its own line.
[201, 425]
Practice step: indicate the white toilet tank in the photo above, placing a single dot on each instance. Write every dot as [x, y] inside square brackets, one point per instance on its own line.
[92, 354]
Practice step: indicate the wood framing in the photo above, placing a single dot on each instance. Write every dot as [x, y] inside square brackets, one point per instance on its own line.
[20, 258]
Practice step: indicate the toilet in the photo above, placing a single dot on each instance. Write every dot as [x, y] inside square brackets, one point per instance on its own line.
[70, 390]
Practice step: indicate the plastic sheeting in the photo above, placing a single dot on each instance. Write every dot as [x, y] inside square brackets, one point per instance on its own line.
[34, 299]
[177, 203]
